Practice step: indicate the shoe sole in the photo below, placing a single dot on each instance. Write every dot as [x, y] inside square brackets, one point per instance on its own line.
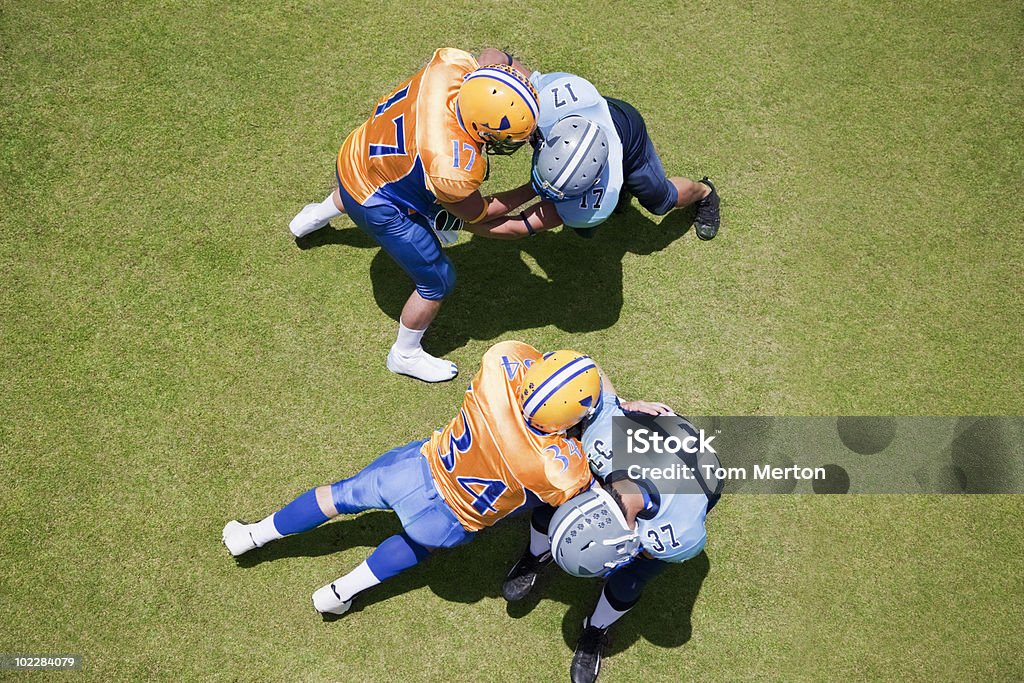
[504, 592]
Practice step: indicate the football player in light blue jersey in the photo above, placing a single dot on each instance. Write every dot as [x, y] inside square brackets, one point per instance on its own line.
[670, 527]
[592, 153]
[563, 95]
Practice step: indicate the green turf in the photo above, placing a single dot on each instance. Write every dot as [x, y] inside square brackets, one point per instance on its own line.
[169, 359]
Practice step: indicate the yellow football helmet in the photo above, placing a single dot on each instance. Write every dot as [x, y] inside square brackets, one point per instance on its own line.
[560, 390]
[497, 105]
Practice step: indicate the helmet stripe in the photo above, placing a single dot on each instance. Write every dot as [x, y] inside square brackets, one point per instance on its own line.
[556, 381]
[578, 155]
[511, 81]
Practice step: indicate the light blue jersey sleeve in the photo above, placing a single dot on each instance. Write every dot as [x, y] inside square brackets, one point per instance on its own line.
[560, 95]
[597, 435]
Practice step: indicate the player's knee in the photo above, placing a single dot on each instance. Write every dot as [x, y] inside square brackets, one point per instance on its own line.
[622, 592]
[395, 555]
[662, 202]
[540, 518]
[625, 584]
[342, 497]
[325, 501]
[447, 278]
[439, 285]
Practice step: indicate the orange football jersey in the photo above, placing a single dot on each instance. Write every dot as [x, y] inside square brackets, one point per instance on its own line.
[487, 460]
[413, 152]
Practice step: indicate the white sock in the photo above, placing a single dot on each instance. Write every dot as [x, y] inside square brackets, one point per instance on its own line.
[264, 531]
[539, 542]
[313, 217]
[356, 581]
[604, 614]
[408, 341]
[326, 210]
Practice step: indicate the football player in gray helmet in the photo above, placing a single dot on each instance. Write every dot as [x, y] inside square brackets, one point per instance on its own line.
[625, 530]
[591, 155]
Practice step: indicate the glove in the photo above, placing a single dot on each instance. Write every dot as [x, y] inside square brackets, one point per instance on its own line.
[446, 226]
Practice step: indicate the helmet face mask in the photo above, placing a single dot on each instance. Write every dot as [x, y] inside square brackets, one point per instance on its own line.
[570, 159]
[500, 146]
[542, 187]
[498, 106]
[590, 536]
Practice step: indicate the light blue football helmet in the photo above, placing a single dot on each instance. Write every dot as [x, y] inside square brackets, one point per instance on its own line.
[570, 158]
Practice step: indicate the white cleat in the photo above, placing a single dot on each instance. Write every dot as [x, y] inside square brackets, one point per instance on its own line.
[421, 365]
[237, 538]
[326, 601]
[306, 221]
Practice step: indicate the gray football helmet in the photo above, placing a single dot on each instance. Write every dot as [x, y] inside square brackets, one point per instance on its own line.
[570, 159]
[589, 535]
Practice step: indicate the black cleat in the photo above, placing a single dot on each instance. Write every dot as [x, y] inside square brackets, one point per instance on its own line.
[708, 217]
[586, 663]
[523, 576]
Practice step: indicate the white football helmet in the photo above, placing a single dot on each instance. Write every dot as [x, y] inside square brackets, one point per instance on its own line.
[589, 535]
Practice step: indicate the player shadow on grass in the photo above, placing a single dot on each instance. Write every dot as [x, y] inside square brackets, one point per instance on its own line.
[580, 289]
[662, 616]
[466, 574]
[476, 570]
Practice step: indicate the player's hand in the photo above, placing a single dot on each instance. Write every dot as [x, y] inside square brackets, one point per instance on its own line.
[647, 408]
[446, 226]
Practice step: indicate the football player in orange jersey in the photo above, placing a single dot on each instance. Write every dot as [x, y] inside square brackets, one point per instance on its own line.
[506, 449]
[419, 158]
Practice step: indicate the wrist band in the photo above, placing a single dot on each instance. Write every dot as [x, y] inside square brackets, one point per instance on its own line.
[509, 58]
[522, 217]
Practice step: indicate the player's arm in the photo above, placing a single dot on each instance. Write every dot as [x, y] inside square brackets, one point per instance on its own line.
[647, 407]
[555, 486]
[477, 209]
[538, 218]
[493, 55]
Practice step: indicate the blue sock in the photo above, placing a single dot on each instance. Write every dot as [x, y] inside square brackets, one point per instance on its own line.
[302, 514]
[395, 555]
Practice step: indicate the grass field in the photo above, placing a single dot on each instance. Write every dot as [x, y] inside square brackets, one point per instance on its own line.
[169, 359]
